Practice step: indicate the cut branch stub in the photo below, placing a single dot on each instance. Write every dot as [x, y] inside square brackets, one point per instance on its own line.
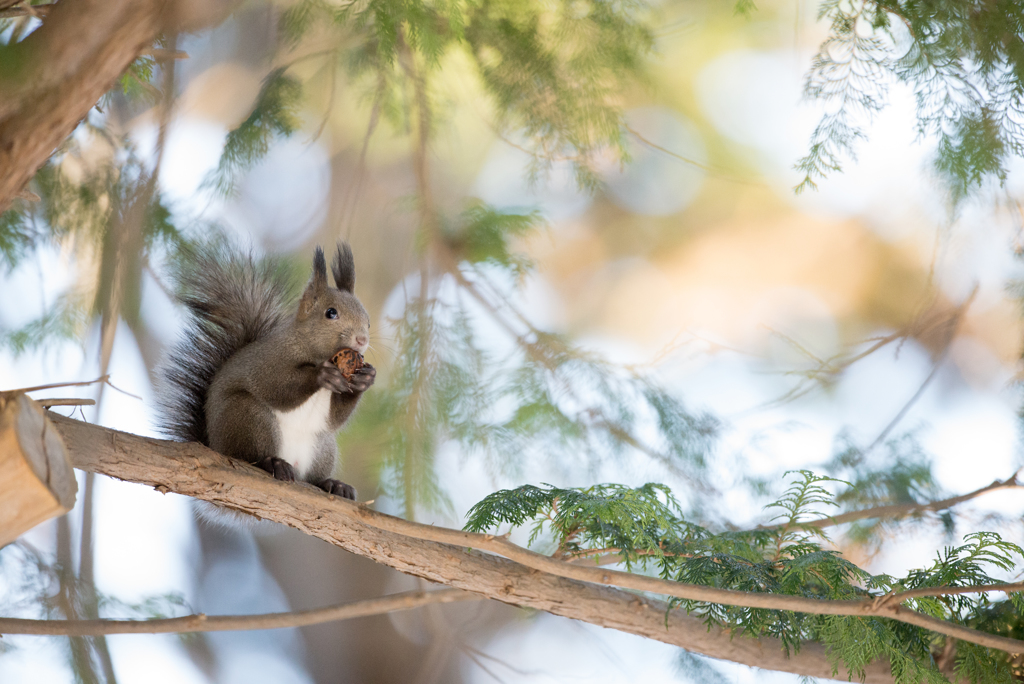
[37, 481]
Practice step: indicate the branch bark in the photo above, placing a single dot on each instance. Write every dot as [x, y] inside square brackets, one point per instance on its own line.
[442, 555]
[50, 80]
[38, 481]
[223, 623]
[193, 470]
[57, 74]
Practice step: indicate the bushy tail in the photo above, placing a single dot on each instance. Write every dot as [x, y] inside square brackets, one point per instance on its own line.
[230, 300]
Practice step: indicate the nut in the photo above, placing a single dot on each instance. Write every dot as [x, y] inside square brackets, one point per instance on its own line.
[348, 362]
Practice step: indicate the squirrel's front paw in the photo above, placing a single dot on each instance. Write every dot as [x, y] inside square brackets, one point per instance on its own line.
[338, 488]
[363, 378]
[330, 377]
[280, 469]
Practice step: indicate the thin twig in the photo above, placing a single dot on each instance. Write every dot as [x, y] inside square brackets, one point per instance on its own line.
[161, 54]
[908, 509]
[951, 329]
[223, 623]
[1007, 587]
[103, 378]
[168, 292]
[352, 193]
[47, 403]
[612, 552]
[37, 11]
[68, 604]
[428, 213]
[654, 146]
[831, 367]
[330, 104]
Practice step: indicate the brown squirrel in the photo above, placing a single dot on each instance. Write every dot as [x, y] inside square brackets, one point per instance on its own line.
[252, 378]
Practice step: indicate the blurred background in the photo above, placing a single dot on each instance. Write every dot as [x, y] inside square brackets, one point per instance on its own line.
[694, 266]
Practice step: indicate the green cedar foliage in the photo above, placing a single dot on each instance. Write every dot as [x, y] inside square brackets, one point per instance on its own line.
[897, 472]
[556, 75]
[964, 62]
[556, 72]
[644, 528]
[482, 236]
[135, 82]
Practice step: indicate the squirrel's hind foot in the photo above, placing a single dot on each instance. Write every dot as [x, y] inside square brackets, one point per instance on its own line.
[338, 488]
[279, 468]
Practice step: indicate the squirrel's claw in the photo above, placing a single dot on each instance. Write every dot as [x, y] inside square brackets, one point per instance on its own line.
[279, 468]
[338, 488]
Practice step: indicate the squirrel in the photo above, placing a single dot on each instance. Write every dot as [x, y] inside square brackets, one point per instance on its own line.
[251, 377]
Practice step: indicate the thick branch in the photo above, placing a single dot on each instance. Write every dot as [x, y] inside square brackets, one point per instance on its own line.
[224, 623]
[56, 75]
[438, 554]
[196, 471]
[50, 80]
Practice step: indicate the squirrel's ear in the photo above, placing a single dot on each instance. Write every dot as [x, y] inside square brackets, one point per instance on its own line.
[344, 268]
[317, 283]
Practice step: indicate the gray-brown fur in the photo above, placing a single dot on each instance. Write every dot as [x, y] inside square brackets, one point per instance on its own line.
[246, 359]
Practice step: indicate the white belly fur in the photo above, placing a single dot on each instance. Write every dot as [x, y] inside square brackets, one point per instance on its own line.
[301, 428]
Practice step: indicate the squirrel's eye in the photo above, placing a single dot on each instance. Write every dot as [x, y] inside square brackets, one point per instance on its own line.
[332, 313]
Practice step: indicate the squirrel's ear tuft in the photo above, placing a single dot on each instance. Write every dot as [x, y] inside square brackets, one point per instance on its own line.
[344, 268]
[319, 280]
[317, 283]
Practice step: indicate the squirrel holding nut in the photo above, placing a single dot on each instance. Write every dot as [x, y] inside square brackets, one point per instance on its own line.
[257, 379]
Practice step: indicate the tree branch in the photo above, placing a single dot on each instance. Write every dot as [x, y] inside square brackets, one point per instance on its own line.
[50, 80]
[14, 11]
[59, 72]
[908, 509]
[222, 623]
[440, 555]
[1007, 587]
[193, 470]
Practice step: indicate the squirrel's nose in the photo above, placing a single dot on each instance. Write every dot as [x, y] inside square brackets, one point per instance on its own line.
[362, 341]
